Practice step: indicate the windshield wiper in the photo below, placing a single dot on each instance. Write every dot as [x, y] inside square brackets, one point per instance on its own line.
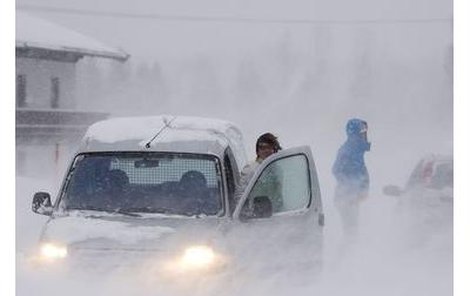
[118, 211]
[149, 210]
[152, 210]
[126, 212]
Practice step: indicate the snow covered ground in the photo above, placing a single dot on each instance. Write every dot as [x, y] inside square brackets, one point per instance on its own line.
[382, 261]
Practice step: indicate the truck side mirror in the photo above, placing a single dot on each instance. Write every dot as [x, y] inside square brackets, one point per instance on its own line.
[259, 207]
[42, 203]
[262, 207]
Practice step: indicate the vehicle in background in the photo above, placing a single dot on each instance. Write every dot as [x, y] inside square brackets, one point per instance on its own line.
[434, 173]
[427, 198]
[157, 194]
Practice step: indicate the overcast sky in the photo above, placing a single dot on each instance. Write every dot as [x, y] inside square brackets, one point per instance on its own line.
[172, 35]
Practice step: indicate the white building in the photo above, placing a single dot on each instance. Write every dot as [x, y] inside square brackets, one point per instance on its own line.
[48, 123]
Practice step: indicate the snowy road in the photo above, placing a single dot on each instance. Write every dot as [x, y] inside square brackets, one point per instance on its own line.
[383, 261]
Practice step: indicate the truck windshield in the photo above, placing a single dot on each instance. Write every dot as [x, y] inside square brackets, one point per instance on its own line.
[168, 183]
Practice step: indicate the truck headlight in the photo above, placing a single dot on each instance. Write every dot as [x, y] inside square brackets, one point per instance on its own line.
[53, 251]
[197, 257]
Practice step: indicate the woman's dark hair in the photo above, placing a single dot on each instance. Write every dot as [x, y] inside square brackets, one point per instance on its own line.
[270, 139]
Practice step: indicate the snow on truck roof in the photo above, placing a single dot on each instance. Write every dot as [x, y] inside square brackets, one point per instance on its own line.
[165, 133]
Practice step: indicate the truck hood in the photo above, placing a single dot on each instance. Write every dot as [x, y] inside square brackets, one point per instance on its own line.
[130, 233]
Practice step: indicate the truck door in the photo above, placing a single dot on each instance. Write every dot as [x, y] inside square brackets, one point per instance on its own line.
[279, 217]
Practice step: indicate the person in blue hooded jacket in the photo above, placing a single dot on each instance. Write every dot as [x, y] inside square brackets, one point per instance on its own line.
[351, 174]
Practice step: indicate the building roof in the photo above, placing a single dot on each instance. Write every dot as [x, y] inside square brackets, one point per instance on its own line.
[36, 33]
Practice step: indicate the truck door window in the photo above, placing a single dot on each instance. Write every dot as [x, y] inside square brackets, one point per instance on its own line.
[286, 182]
